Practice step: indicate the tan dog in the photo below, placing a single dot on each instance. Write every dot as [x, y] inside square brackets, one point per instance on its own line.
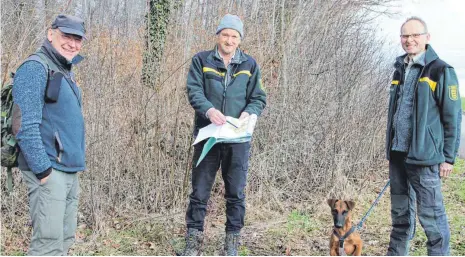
[341, 211]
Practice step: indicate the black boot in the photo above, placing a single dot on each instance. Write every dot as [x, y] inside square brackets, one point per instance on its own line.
[231, 243]
[194, 240]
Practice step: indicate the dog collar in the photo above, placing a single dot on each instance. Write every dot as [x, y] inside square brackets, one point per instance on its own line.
[342, 238]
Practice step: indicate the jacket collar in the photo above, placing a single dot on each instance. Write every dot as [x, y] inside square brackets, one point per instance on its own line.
[430, 55]
[215, 58]
[418, 59]
[57, 58]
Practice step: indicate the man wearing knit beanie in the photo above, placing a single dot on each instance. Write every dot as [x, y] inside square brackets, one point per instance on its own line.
[230, 21]
[222, 82]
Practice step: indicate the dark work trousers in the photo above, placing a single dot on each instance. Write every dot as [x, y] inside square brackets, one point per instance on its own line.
[234, 159]
[426, 183]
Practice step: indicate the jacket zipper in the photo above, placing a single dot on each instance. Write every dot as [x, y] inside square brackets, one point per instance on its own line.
[225, 86]
[224, 100]
[413, 108]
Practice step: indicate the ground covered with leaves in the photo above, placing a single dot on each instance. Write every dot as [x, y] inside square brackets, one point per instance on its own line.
[297, 230]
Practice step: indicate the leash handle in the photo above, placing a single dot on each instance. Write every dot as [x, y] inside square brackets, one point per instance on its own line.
[360, 224]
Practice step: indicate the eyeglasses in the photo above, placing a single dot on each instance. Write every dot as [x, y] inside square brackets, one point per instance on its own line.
[416, 35]
[69, 37]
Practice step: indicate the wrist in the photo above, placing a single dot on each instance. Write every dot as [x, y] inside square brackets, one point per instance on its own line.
[209, 111]
[44, 173]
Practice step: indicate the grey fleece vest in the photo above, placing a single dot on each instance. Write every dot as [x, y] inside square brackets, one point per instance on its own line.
[402, 123]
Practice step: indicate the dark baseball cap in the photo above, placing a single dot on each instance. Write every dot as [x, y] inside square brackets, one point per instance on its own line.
[70, 25]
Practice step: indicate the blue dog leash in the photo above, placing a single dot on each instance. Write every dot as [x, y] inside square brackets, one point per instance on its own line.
[360, 224]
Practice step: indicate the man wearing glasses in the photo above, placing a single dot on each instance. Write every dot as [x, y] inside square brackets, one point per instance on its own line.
[49, 127]
[422, 139]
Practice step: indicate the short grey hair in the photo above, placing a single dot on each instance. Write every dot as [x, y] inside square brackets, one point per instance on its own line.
[415, 18]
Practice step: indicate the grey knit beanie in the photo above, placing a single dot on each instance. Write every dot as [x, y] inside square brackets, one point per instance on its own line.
[230, 21]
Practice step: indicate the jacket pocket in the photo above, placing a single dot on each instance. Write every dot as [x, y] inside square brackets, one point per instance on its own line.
[240, 78]
[431, 135]
[429, 193]
[214, 77]
[58, 147]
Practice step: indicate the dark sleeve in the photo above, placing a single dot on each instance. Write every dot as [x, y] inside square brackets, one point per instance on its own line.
[195, 88]
[450, 106]
[256, 92]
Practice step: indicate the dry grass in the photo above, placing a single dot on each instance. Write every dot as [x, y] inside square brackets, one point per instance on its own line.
[299, 229]
[322, 130]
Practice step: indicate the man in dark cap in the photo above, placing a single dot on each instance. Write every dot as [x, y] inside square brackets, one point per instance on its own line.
[222, 82]
[49, 126]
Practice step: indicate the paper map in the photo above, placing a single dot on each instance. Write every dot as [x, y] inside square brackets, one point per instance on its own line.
[233, 131]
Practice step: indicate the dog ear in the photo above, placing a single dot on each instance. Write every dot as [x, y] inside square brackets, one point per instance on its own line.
[331, 202]
[350, 204]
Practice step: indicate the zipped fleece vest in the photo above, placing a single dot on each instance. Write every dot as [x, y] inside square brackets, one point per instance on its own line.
[62, 126]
